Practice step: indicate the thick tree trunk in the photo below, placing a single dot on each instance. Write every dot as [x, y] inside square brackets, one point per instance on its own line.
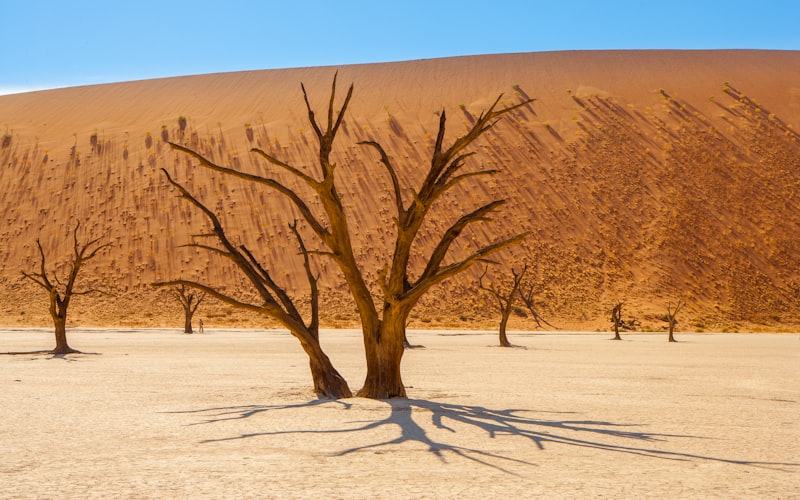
[503, 324]
[671, 330]
[187, 327]
[616, 332]
[61, 337]
[384, 352]
[328, 382]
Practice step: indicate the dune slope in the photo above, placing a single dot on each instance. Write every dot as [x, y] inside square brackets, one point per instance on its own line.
[644, 176]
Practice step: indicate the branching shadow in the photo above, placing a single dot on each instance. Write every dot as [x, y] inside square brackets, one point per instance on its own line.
[450, 417]
[70, 356]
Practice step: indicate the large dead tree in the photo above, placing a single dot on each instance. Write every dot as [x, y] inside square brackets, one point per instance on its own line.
[671, 314]
[275, 301]
[189, 301]
[61, 292]
[505, 297]
[383, 315]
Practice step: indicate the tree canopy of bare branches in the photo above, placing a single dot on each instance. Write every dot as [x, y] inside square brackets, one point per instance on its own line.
[383, 315]
[60, 292]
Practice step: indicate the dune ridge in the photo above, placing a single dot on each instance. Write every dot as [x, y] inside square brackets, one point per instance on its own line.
[643, 176]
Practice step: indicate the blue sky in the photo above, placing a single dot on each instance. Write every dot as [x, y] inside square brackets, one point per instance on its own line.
[46, 44]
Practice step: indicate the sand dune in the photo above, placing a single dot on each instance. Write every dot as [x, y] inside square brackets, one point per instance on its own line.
[643, 175]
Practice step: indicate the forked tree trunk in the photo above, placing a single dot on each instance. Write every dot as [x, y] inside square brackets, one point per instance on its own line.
[384, 353]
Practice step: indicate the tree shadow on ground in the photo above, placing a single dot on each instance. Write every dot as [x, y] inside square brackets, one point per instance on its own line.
[70, 356]
[449, 417]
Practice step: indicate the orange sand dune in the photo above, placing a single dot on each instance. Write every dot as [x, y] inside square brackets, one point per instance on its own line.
[644, 176]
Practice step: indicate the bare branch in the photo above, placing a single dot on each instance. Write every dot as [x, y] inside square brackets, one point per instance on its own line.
[305, 211]
[312, 280]
[294, 171]
[490, 289]
[267, 280]
[421, 286]
[209, 248]
[452, 233]
[214, 293]
[231, 251]
[36, 279]
[457, 179]
[398, 198]
[311, 117]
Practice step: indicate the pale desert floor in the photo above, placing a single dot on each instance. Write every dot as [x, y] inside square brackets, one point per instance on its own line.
[229, 414]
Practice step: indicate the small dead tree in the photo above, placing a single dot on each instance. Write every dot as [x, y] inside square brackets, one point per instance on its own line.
[276, 302]
[505, 299]
[616, 320]
[671, 314]
[190, 301]
[384, 314]
[61, 292]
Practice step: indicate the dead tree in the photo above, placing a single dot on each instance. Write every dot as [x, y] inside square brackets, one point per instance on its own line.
[275, 301]
[61, 292]
[616, 320]
[383, 315]
[190, 301]
[505, 299]
[671, 314]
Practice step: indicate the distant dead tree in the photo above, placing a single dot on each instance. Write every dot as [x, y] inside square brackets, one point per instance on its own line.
[384, 315]
[616, 319]
[671, 314]
[60, 292]
[190, 301]
[275, 301]
[505, 297]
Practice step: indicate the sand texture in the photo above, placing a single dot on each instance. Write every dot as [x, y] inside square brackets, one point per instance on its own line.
[229, 414]
[642, 175]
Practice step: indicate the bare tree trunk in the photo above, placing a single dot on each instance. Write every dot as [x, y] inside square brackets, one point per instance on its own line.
[187, 327]
[384, 352]
[503, 324]
[616, 319]
[62, 347]
[671, 314]
[328, 382]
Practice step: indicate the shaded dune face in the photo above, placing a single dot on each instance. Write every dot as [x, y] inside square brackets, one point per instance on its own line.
[643, 176]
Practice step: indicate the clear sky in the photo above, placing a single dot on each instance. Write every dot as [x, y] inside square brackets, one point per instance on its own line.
[46, 44]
